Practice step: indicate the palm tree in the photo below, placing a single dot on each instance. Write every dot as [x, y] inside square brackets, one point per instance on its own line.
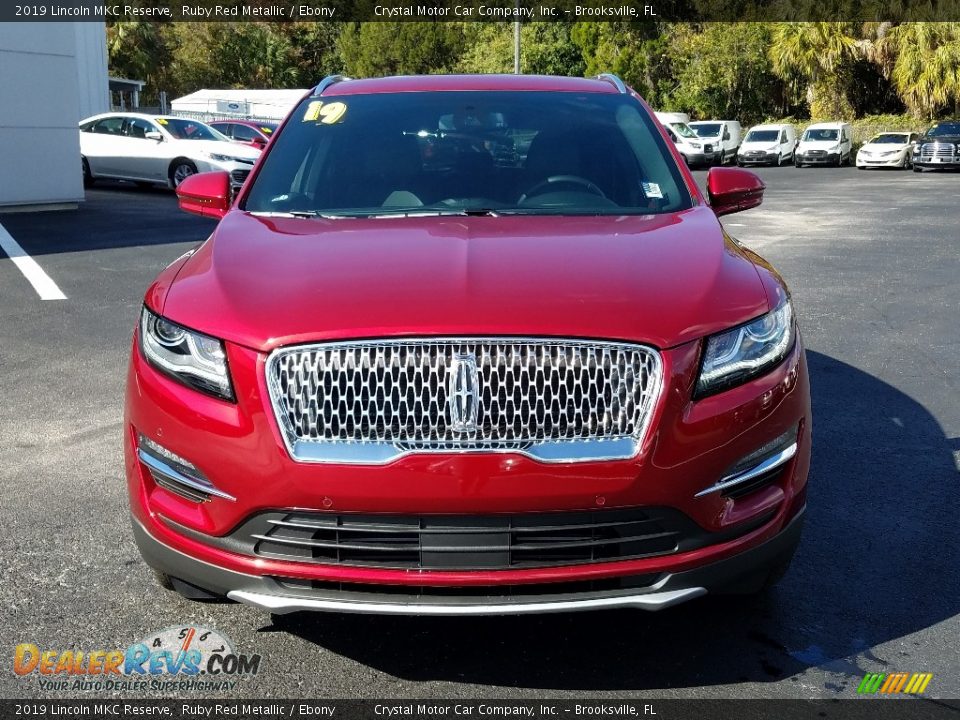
[815, 54]
[926, 65]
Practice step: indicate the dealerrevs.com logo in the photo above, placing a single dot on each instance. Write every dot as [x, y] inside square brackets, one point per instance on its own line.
[176, 658]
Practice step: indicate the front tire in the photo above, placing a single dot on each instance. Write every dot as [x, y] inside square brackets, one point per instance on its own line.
[88, 179]
[180, 170]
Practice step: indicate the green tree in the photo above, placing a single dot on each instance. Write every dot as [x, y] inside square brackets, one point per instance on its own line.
[817, 57]
[142, 50]
[924, 65]
[313, 53]
[637, 52]
[722, 70]
[232, 55]
[400, 48]
[545, 49]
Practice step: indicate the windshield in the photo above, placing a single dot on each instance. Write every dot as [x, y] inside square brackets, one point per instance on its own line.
[944, 129]
[683, 130]
[460, 152]
[891, 139]
[820, 135]
[709, 130]
[190, 129]
[762, 136]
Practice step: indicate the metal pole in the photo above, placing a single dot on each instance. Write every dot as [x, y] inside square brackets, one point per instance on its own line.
[516, 45]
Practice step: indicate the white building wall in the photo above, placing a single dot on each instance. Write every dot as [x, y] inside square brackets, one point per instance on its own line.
[92, 73]
[51, 75]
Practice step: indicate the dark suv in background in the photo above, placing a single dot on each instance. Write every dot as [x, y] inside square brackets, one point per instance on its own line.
[939, 147]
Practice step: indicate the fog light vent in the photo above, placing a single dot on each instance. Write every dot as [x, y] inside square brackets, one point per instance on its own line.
[175, 473]
[758, 468]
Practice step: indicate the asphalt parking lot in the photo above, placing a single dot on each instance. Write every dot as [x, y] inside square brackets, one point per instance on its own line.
[873, 259]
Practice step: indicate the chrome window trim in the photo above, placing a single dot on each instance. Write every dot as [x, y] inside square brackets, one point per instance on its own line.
[383, 453]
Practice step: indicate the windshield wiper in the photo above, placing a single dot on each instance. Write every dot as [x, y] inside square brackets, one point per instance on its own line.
[301, 214]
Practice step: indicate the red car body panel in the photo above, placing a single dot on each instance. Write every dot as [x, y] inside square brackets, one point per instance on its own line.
[584, 277]
[666, 280]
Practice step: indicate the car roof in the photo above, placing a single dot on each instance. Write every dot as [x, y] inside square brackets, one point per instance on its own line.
[438, 83]
[248, 123]
[771, 126]
[144, 116]
[826, 125]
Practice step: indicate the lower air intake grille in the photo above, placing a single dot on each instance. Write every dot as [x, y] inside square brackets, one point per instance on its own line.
[451, 542]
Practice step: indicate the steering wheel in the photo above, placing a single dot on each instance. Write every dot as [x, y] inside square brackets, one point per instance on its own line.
[568, 179]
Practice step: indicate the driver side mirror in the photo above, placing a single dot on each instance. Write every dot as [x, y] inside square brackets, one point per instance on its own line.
[205, 194]
[733, 189]
[153, 135]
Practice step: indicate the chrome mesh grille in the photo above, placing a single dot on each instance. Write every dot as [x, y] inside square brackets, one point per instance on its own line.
[398, 393]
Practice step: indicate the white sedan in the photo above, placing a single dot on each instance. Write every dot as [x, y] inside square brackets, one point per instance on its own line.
[889, 149]
[149, 149]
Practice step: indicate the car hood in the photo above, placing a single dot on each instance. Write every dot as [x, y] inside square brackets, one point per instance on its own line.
[818, 144]
[661, 279]
[220, 147]
[760, 145]
[884, 147]
[939, 138]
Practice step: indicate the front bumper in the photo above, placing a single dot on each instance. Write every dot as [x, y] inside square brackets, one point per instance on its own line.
[895, 160]
[238, 447]
[827, 159]
[937, 163]
[696, 159]
[238, 171]
[747, 570]
[758, 159]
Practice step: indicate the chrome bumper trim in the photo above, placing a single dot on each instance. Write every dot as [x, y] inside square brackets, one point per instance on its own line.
[772, 462]
[382, 453]
[281, 604]
[161, 468]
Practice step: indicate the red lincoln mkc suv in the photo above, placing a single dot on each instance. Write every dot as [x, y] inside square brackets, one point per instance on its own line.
[468, 345]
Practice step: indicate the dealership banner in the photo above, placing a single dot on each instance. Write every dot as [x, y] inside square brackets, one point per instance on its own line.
[479, 10]
[274, 709]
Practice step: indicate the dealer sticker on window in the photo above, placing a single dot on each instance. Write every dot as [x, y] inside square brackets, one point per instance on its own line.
[652, 190]
[326, 113]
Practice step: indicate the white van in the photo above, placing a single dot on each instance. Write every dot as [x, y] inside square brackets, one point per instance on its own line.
[693, 150]
[724, 135]
[768, 145]
[825, 144]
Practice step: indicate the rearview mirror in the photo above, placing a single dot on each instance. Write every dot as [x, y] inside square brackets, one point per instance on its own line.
[153, 135]
[732, 189]
[206, 194]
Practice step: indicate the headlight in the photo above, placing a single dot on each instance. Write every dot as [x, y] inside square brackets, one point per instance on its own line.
[694, 145]
[194, 359]
[222, 158]
[734, 356]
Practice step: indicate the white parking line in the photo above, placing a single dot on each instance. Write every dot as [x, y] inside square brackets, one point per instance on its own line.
[44, 285]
